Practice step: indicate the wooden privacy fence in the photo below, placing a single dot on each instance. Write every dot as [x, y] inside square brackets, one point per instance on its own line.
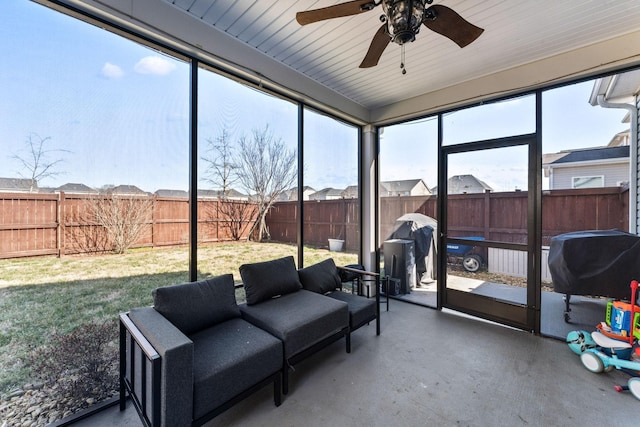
[59, 224]
[55, 224]
[494, 216]
[323, 220]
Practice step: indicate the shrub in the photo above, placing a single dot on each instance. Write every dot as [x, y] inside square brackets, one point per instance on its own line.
[82, 364]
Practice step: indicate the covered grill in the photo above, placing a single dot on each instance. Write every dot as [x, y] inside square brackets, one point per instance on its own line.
[422, 230]
[595, 263]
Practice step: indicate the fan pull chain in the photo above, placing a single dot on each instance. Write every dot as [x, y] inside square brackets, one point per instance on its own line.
[402, 58]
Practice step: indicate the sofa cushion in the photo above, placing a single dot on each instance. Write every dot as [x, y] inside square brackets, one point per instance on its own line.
[268, 279]
[229, 358]
[321, 277]
[194, 306]
[299, 319]
[361, 309]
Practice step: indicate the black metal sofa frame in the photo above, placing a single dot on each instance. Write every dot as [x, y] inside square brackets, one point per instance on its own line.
[141, 365]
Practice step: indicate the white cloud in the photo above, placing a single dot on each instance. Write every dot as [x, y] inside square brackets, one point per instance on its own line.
[154, 65]
[111, 71]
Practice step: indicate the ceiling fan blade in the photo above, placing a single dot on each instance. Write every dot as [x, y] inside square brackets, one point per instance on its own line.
[448, 23]
[336, 11]
[378, 45]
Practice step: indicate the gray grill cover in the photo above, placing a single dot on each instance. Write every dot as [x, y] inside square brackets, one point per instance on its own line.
[596, 263]
[422, 230]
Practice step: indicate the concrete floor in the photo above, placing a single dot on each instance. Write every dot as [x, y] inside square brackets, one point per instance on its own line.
[431, 368]
[586, 312]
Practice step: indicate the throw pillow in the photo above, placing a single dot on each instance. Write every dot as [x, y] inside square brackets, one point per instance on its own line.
[349, 276]
[321, 277]
[195, 306]
[268, 279]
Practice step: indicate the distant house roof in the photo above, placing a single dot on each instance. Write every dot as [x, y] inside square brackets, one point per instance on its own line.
[406, 186]
[172, 193]
[621, 138]
[16, 184]
[460, 184]
[292, 193]
[400, 186]
[230, 194]
[295, 189]
[351, 192]
[593, 154]
[127, 189]
[213, 194]
[75, 188]
[327, 193]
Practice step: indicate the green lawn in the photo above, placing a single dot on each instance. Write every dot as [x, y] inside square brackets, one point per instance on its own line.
[39, 296]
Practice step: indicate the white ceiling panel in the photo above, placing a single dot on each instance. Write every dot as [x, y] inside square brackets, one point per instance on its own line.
[517, 32]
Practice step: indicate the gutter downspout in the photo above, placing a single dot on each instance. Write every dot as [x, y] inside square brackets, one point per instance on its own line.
[633, 160]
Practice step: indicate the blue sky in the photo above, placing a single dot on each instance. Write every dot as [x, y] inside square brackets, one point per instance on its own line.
[121, 111]
[569, 122]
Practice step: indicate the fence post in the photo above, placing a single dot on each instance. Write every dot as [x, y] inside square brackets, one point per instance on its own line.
[60, 220]
[487, 214]
[154, 206]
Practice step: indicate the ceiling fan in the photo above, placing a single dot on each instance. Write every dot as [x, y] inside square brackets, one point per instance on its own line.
[400, 23]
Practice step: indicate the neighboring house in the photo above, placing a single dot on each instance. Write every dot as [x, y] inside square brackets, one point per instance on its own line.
[621, 91]
[588, 168]
[181, 194]
[127, 190]
[465, 184]
[73, 188]
[16, 185]
[208, 194]
[327, 194]
[407, 187]
[291, 194]
[231, 194]
[351, 192]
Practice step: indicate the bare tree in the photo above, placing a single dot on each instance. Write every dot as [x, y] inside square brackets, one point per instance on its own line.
[37, 160]
[82, 233]
[221, 172]
[266, 169]
[124, 217]
[234, 216]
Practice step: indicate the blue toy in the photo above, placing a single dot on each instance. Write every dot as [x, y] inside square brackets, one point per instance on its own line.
[601, 353]
[609, 354]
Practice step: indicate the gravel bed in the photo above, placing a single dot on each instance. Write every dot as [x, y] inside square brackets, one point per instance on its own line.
[36, 405]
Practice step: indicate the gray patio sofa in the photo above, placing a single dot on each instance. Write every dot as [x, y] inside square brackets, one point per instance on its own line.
[196, 353]
[192, 356]
[305, 321]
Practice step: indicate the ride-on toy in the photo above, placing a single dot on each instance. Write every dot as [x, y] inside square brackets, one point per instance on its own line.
[602, 353]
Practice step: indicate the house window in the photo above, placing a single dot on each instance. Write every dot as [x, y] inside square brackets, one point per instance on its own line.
[587, 181]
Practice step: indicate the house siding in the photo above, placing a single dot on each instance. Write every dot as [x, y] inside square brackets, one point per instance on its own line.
[514, 263]
[637, 165]
[614, 174]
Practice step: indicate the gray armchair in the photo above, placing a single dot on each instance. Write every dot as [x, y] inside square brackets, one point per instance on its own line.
[192, 356]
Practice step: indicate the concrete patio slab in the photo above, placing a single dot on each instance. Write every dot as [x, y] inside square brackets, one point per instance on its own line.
[431, 368]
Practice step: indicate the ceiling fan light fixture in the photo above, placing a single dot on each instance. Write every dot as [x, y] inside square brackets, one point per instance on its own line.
[401, 22]
[403, 18]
